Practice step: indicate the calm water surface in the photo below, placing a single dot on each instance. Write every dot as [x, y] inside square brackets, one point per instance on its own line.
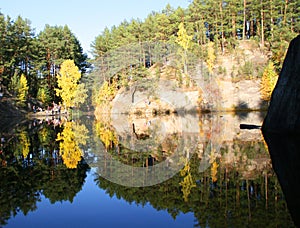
[170, 171]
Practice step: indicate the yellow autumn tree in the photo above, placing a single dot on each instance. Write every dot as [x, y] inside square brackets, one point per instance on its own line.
[184, 40]
[106, 93]
[268, 81]
[69, 89]
[43, 95]
[25, 143]
[106, 134]
[214, 171]
[188, 182]
[22, 89]
[69, 147]
[211, 57]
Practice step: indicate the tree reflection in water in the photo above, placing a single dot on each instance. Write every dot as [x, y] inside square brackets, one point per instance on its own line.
[230, 201]
[237, 189]
[31, 166]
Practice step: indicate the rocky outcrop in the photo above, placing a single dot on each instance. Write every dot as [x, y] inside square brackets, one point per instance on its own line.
[284, 110]
[243, 95]
[166, 97]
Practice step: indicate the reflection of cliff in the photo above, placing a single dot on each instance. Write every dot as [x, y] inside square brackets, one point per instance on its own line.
[149, 150]
[25, 177]
[230, 200]
[165, 142]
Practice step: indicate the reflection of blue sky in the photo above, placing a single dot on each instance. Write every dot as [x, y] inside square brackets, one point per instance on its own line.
[92, 207]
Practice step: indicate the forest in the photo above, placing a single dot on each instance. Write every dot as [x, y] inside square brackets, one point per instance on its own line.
[270, 22]
[30, 63]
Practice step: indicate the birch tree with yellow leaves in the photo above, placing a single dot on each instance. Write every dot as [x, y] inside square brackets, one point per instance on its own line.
[69, 89]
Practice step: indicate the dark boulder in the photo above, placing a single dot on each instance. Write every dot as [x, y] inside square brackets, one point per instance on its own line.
[284, 110]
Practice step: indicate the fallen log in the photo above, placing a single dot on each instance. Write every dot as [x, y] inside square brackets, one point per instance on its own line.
[249, 126]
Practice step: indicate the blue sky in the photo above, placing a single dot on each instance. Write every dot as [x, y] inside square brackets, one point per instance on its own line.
[86, 18]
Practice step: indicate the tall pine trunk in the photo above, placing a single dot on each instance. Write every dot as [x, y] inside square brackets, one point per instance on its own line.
[222, 29]
[262, 23]
[244, 20]
[233, 23]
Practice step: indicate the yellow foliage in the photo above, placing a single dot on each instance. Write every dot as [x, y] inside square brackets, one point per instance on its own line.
[80, 94]
[24, 141]
[183, 39]
[268, 81]
[80, 133]
[211, 57]
[69, 146]
[187, 183]
[69, 87]
[214, 171]
[106, 93]
[22, 89]
[44, 135]
[106, 135]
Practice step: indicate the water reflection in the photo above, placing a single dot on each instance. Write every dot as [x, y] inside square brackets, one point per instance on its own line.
[284, 151]
[225, 177]
[31, 167]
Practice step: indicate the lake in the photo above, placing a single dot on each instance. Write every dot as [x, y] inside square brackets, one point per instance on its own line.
[139, 171]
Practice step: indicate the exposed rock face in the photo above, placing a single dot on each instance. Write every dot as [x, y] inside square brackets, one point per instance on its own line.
[284, 110]
[166, 97]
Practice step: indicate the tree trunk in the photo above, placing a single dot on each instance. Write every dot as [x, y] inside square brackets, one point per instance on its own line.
[262, 23]
[285, 11]
[222, 29]
[244, 20]
[233, 23]
[271, 20]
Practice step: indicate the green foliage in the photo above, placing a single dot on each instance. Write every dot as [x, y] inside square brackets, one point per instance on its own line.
[80, 95]
[25, 179]
[224, 22]
[246, 71]
[278, 54]
[14, 84]
[37, 57]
